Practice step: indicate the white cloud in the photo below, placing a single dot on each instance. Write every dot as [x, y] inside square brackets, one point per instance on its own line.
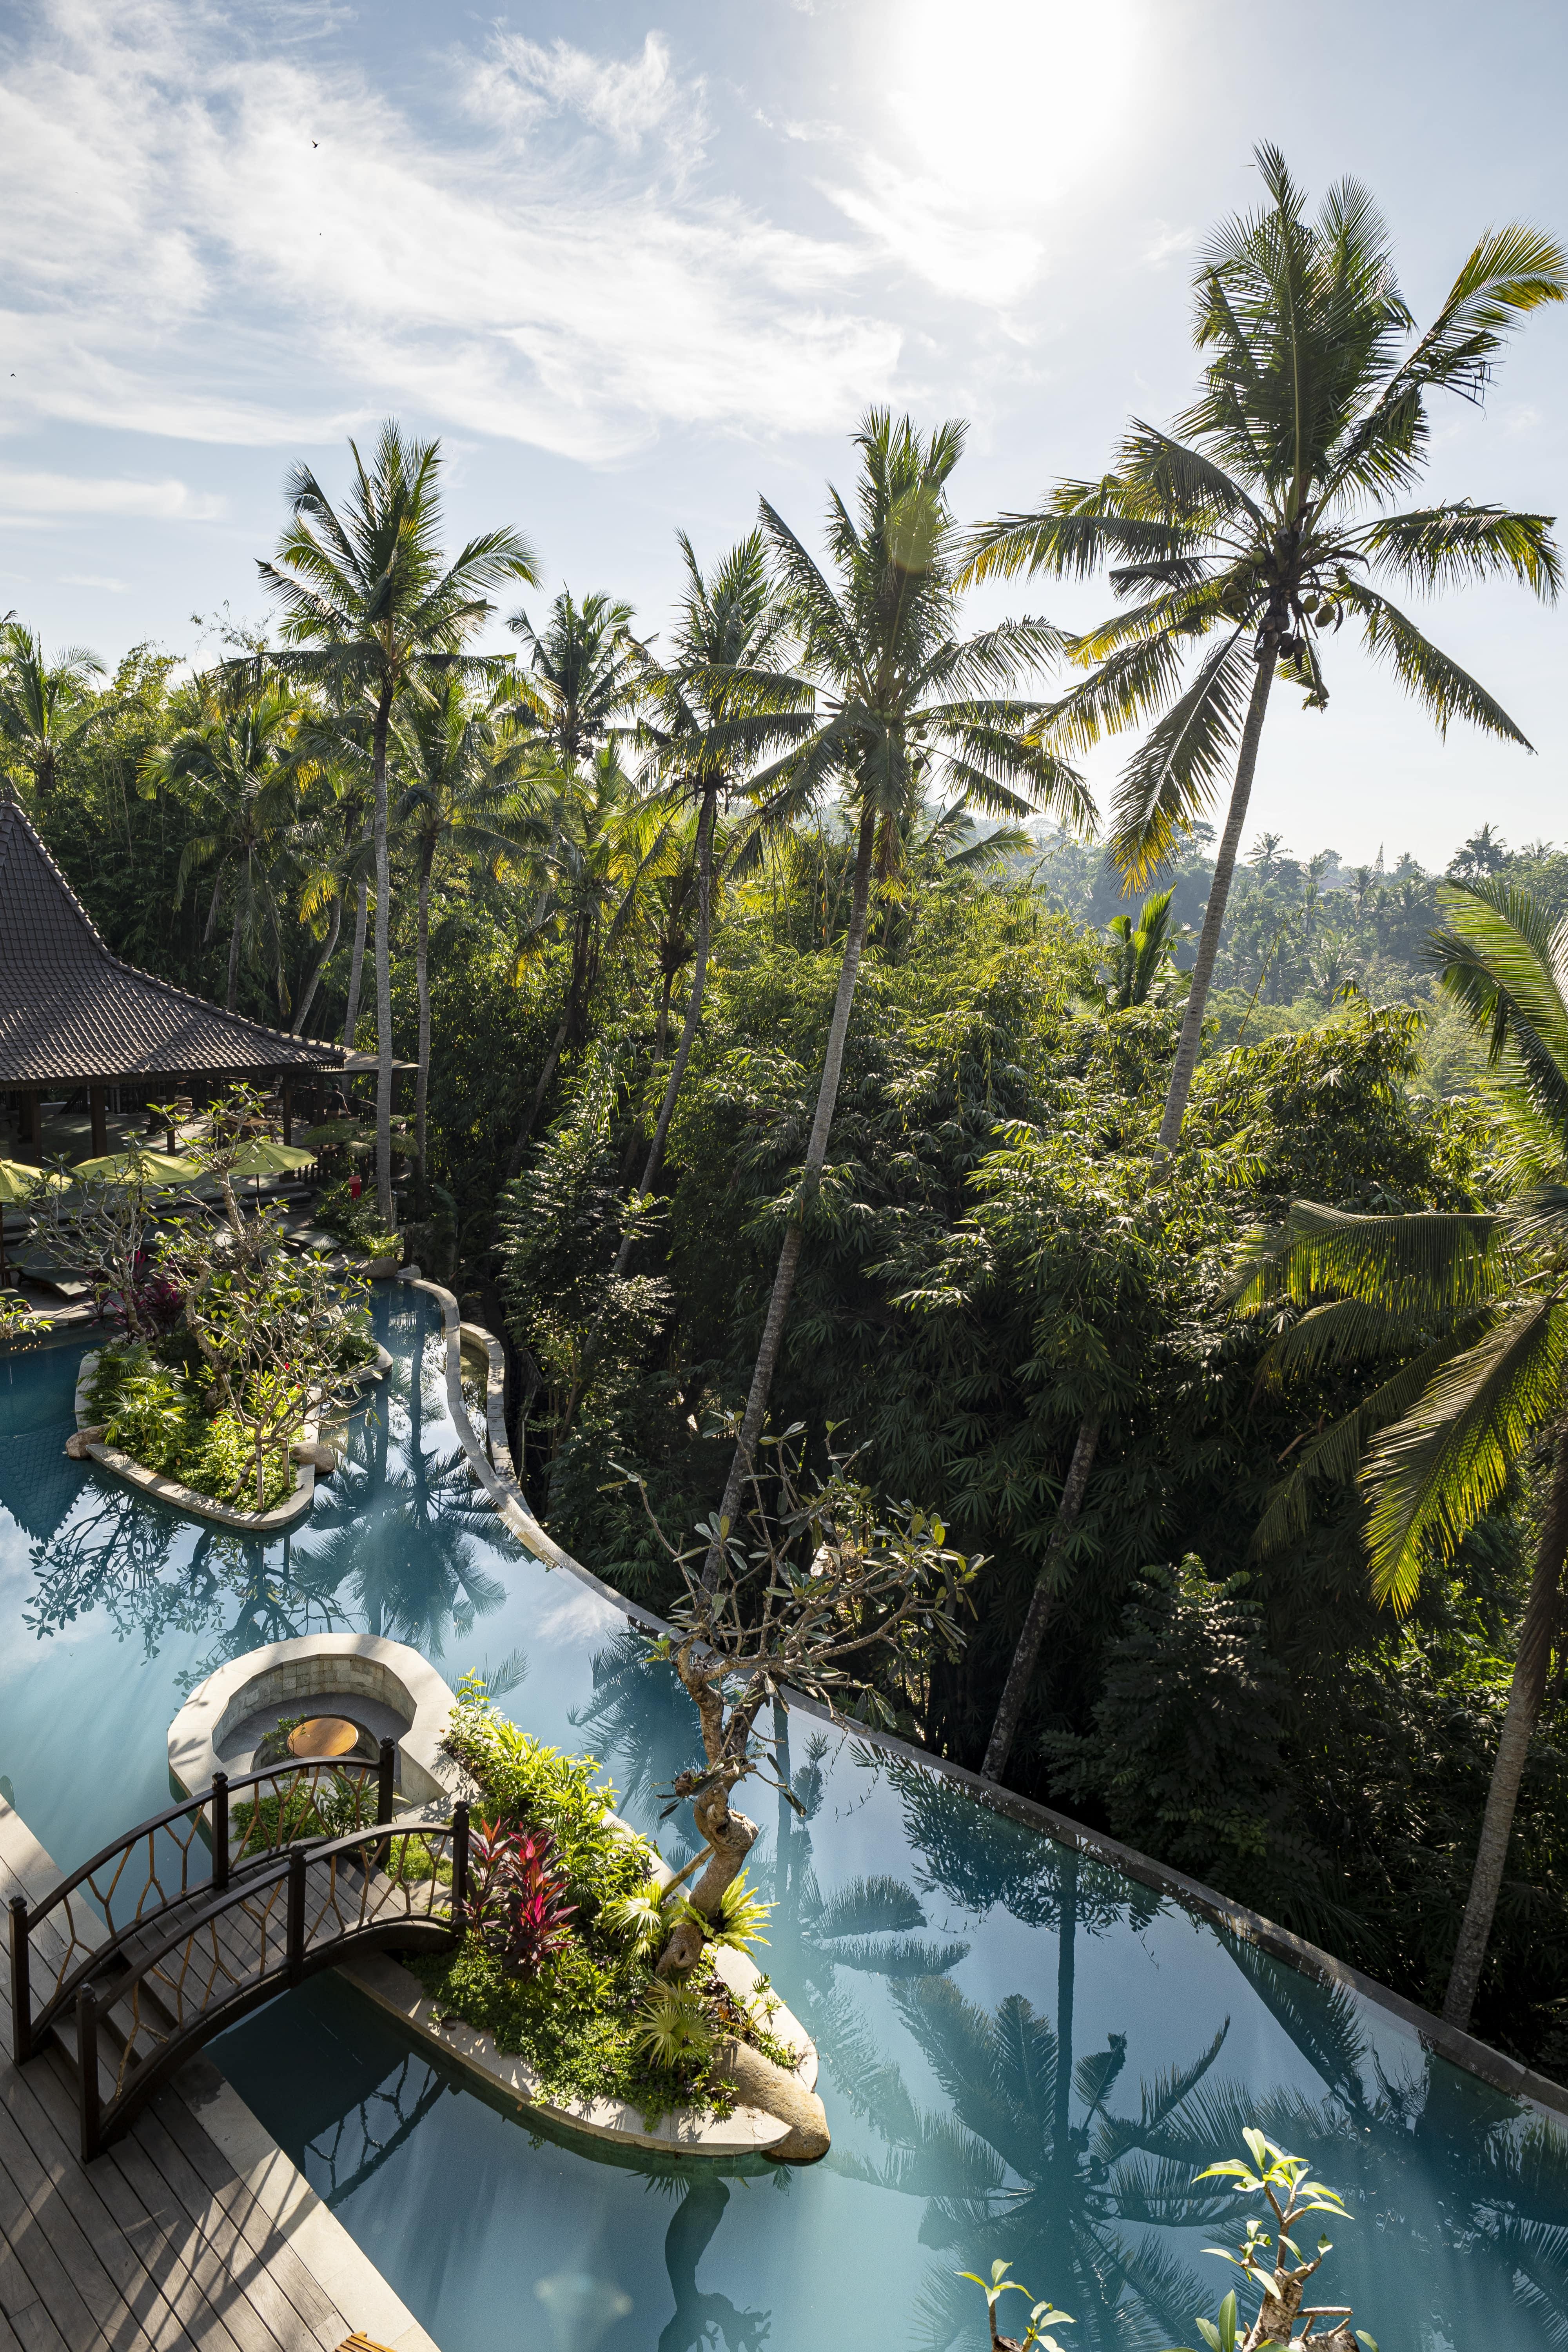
[64, 496]
[223, 240]
[1166, 243]
[94, 579]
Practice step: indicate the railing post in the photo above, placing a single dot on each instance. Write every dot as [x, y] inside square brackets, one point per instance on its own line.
[21, 1981]
[87, 2066]
[386, 1772]
[295, 1947]
[220, 1832]
[460, 1867]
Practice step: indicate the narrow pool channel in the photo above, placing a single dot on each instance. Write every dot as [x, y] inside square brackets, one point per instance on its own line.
[1034, 2064]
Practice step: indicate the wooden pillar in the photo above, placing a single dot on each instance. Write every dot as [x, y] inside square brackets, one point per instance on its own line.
[33, 1127]
[287, 1094]
[96, 1104]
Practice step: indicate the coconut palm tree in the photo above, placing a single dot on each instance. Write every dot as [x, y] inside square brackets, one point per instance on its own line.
[1467, 1314]
[1240, 539]
[236, 766]
[370, 604]
[461, 765]
[584, 673]
[47, 709]
[899, 699]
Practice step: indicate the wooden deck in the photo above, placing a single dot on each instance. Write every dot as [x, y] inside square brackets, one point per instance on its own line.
[193, 2231]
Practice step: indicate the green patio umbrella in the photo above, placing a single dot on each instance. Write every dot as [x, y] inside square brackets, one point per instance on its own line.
[262, 1157]
[18, 1182]
[148, 1167]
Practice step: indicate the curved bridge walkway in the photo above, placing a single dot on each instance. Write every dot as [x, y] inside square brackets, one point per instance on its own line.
[140, 1956]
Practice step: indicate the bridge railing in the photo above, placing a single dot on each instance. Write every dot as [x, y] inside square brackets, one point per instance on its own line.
[117, 1896]
[403, 1888]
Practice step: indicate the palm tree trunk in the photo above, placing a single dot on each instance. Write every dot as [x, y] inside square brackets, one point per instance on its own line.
[356, 969]
[233, 957]
[1181, 1084]
[811, 1179]
[422, 974]
[383, 973]
[335, 927]
[1531, 1667]
[661, 1034]
[1020, 1673]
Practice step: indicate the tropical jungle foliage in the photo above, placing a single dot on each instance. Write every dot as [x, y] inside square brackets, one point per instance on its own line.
[773, 1049]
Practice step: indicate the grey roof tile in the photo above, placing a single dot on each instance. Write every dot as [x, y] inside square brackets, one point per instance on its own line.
[70, 1010]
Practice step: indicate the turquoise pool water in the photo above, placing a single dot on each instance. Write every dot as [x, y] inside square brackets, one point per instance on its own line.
[944, 1957]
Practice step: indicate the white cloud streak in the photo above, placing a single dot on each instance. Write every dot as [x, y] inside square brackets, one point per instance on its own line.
[64, 496]
[242, 245]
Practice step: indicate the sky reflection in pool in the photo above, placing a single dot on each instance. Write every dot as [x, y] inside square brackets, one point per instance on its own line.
[944, 1956]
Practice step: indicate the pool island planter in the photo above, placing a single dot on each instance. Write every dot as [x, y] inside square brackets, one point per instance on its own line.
[796, 2133]
[283, 1516]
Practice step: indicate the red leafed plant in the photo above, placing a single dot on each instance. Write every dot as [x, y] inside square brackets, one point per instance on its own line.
[516, 1895]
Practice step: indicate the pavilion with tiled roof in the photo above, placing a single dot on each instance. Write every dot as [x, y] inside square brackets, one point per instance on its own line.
[73, 1016]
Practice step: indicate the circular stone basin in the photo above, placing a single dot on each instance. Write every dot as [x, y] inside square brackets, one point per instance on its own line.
[323, 1735]
[366, 1688]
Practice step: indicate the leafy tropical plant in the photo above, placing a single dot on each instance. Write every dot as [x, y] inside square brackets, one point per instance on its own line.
[1043, 2316]
[1257, 525]
[47, 709]
[1270, 2260]
[1140, 964]
[1469, 1315]
[517, 1902]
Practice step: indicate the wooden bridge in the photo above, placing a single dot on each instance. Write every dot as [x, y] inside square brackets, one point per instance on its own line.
[140, 1956]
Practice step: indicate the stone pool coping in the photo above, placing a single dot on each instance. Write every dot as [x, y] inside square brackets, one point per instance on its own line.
[277, 1521]
[684, 2132]
[492, 1468]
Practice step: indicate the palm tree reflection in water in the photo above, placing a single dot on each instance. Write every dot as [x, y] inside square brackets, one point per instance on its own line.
[394, 1543]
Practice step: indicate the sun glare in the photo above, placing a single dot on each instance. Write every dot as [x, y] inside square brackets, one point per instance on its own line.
[1014, 99]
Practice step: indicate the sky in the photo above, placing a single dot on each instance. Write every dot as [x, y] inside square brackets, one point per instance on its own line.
[635, 266]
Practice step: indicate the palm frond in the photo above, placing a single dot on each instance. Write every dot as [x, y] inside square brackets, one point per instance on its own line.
[1435, 680]
[1178, 769]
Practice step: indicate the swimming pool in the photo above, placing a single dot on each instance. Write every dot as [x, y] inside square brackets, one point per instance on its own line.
[942, 1955]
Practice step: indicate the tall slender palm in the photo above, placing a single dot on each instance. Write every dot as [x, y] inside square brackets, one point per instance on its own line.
[459, 766]
[1261, 520]
[897, 696]
[370, 602]
[1469, 1315]
[598, 838]
[236, 766]
[45, 708]
[711, 715]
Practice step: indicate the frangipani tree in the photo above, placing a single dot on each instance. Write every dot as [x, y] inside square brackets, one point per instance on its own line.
[1255, 528]
[1468, 1315]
